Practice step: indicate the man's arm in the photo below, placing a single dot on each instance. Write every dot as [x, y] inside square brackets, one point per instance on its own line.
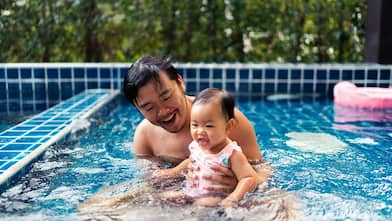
[245, 136]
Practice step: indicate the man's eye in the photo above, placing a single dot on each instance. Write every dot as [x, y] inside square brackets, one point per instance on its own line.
[166, 98]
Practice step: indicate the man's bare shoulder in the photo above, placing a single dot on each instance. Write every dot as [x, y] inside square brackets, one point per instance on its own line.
[144, 129]
[142, 140]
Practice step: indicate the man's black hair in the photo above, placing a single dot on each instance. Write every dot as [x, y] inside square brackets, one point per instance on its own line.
[143, 71]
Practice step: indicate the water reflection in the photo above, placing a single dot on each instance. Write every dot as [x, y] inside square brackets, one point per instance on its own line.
[348, 114]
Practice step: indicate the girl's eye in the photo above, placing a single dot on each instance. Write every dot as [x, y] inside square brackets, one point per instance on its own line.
[209, 126]
[194, 125]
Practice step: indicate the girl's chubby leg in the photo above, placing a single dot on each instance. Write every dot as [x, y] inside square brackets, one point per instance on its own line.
[207, 201]
[178, 197]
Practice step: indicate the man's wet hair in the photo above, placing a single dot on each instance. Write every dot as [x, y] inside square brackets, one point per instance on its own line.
[145, 70]
[217, 95]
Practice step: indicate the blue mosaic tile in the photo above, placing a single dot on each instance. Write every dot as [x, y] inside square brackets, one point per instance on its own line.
[79, 87]
[25, 73]
[270, 87]
[295, 88]
[334, 74]
[308, 87]
[191, 73]
[2, 95]
[256, 87]
[8, 155]
[79, 72]
[230, 73]
[27, 91]
[92, 73]
[12, 73]
[347, 74]
[6, 139]
[16, 146]
[27, 139]
[40, 91]
[8, 165]
[283, 74]
[37, 133]
[217, 73]
[321, 74]
[269, 73]
[230, 87]
[257, 74]
[28, 107]
[359, 74]
[217, 85]
[105, 85]
[282, 88]
[123, 72]
[204, 73]
[296, 74]
[244, 73]
[2, 73]
[52, 73]
[54, 94]
[385, 74]
[191, 87]
[204, 85]
[308, 74]
[243, 87]
[372, 74]
[39, 73]
[92, 84]
[65, 73]
[11, 133]
[105, 73]
[13, 91]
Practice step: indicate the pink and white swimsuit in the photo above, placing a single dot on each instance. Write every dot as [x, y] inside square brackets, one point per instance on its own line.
[205, 161]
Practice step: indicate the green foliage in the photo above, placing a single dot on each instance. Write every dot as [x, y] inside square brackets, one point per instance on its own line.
[188, 30]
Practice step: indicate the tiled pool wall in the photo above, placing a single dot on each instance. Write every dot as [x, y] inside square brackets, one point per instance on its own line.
[35, 87]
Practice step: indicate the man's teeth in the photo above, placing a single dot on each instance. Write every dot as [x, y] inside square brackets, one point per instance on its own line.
[168, 118]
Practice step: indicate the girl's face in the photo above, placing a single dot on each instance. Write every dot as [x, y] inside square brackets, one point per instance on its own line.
[209, 127]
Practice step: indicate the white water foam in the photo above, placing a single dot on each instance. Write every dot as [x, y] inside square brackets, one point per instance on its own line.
[315, 142]
[366, 140]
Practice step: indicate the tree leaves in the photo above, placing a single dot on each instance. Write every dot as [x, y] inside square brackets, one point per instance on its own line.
[189, 30]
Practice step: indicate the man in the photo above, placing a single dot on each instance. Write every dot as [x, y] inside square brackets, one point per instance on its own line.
[157, 90]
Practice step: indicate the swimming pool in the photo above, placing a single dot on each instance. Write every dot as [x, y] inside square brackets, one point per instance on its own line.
[344, 173]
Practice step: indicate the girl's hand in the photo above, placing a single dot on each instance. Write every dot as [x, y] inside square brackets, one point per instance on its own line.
[228, 202]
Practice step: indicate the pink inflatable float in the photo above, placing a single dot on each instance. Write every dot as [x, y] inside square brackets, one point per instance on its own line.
[347, 94]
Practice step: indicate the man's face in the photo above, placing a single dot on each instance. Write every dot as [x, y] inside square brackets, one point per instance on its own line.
[164, 103]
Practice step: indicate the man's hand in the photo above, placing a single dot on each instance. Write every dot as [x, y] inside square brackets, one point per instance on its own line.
[224, 178]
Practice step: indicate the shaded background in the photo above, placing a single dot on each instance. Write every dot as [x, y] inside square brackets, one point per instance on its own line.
[189, 30]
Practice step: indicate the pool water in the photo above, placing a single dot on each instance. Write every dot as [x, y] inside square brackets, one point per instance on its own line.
[338, 169]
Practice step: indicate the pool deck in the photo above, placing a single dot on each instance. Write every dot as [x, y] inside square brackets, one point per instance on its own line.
[20, 145]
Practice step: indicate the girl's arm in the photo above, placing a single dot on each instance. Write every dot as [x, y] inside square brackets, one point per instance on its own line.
[246, 176]
[171, 172]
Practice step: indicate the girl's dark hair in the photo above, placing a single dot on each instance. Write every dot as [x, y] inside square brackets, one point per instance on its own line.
[223, 97]
[143, 71]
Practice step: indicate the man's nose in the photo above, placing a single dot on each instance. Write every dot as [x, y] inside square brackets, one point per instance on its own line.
[163, 111]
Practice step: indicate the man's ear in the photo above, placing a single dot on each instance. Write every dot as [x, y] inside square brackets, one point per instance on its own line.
[181, 82]
[230, 124]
